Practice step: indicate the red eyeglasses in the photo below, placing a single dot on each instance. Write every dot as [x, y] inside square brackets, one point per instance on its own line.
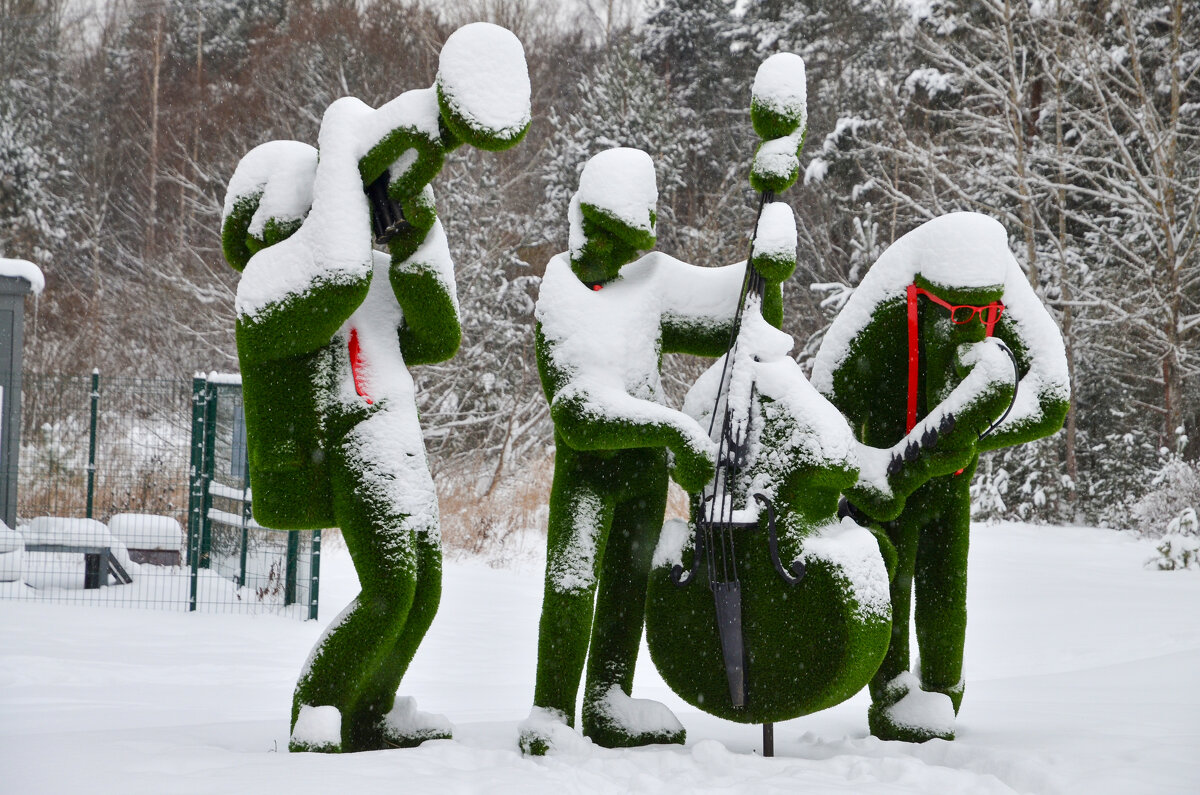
[964, 313]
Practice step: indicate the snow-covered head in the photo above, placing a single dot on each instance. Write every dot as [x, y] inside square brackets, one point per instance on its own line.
[613, 215]
[483, 86]
[963, 258]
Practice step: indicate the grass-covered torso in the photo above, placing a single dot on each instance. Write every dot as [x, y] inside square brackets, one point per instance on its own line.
[604, 321]
[960, 259]
[326, 328]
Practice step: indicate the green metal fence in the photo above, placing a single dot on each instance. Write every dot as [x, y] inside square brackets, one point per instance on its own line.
[159, 468]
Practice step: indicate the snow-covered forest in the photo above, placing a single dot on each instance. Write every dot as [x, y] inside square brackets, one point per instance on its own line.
[1075, 123]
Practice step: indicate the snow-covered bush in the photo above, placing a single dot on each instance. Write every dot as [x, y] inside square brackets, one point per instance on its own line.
[1178, 550]
[1169, 507]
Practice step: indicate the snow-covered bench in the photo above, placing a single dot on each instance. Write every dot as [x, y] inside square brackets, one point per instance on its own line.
[102, 553]
[12, 554]
[151, 539]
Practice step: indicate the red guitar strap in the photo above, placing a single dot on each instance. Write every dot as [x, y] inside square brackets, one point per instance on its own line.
[914, 359]
[356, 366]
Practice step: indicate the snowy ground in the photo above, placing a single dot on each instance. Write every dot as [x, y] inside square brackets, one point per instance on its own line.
[1083, 676]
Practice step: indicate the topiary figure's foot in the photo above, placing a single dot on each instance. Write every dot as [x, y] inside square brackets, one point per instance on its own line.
[547, 730]
[614, 720]
[954, 691]
[317, 729]
[406, 727]
[909, 714]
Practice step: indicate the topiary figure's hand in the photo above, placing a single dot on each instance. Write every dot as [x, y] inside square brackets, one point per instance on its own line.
[694, 462]
[945, 440]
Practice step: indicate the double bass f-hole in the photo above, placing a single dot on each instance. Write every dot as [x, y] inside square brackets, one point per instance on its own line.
[791, 574]
[794, 573]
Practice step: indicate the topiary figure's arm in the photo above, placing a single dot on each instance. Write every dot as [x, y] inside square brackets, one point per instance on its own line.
[590, 414]
[699, 305]
[268, 197]
[280, 314]
[1044, 391]
[944, 441]
[423, 283]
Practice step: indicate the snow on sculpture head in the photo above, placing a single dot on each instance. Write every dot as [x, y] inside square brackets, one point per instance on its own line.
[961, 257]
[613, 214]
[483, 86]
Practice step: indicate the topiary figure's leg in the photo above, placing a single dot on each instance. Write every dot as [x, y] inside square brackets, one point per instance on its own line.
[387, 512]
[941, 586]
[931, 539]
[610, 717]
[903, 533]
[580, 517]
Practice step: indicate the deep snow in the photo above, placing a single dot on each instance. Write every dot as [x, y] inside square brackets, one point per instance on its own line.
[1082, 666]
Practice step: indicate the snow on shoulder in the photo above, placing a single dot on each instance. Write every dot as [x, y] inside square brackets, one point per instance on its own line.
[24, 269]
[483, 78]
[282, 173]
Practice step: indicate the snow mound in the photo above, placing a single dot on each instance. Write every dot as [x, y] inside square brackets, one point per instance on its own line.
[637, 716]
[925, 712]
[146, 531]
[318, 727]
[407, 722]
[545, 731]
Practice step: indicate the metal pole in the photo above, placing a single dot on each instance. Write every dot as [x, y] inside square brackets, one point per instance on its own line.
[314, 571]
[246, 517]
[293, 558]
[196, 486]
[208, 472]
[91, 466]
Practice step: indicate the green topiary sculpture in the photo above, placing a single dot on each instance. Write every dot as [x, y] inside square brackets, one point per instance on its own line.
[890, 357]
[604, 321]
[326, 327]
[766, 607]
[804, 645]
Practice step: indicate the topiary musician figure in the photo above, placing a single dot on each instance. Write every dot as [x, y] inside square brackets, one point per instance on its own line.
[604, 319]
[326, 327]
[888, 359]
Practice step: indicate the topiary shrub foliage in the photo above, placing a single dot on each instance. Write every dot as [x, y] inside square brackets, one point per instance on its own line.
[604, 319]
[863, 367]
[326, 327]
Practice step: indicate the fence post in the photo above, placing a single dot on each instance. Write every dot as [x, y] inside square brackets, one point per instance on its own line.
[314, 575]
[293, 560]
[196, 484]
[91, 465]
[208, 472]
[246, 517]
